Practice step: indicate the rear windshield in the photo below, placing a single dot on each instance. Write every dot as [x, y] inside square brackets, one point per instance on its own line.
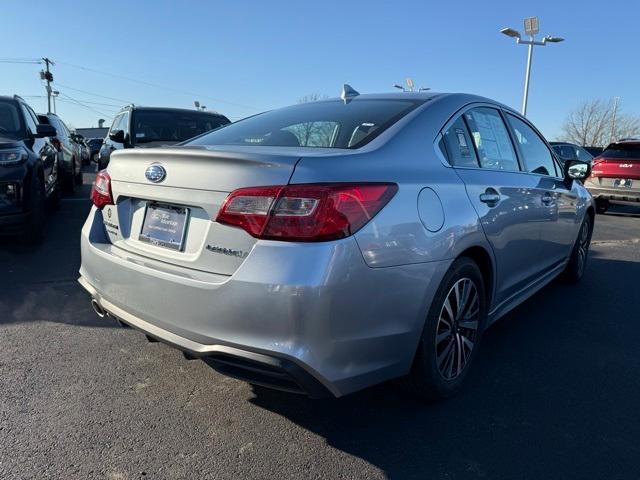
[158, 126]
[10, 124]
[323, 124]
[622, 151]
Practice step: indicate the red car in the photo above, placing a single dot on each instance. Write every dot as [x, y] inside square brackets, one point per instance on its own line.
[615, 175]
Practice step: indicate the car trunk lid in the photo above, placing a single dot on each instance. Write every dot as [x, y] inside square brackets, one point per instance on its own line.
[173, 220]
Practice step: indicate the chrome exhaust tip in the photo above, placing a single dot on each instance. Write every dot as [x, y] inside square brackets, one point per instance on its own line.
[97, 308]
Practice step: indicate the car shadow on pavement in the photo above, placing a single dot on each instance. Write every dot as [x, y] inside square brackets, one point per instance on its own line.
[38, 282]
[554, 395]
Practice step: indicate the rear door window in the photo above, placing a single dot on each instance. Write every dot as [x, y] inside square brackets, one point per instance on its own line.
[459, 147]
[491, 139]
[536, 155]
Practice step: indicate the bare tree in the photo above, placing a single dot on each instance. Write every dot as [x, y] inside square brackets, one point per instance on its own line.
[597, 123]
[313, 134]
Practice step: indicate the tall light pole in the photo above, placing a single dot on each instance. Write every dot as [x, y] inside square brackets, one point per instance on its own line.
[531, 28]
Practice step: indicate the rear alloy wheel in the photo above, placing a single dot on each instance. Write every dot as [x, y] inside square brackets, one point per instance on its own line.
[578, 261]
[457, 329]
[452, 333]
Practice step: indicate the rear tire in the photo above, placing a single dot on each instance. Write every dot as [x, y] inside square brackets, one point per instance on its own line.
[451, 335]
[574, 270]
[70, 179]
[34, 230]
[77, 179]
[602, 206]
[54, 197]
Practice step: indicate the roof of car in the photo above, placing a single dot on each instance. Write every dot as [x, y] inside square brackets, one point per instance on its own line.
[459, 99]
[170, 109]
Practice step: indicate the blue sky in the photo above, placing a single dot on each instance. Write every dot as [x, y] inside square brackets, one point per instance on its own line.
[243, 57]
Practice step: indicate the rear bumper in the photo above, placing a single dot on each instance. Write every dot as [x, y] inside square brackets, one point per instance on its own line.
[314, 316]
[258, 368]
[631, 195]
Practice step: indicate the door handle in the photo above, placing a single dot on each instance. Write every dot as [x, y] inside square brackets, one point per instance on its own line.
[547, 199]
[490, 196]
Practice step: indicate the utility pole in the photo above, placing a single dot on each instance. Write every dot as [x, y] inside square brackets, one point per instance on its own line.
[48, 76]
[613, 121]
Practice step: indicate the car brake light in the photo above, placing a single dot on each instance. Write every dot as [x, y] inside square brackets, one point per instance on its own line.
[305, 213]
[56, 143]
[101, 190]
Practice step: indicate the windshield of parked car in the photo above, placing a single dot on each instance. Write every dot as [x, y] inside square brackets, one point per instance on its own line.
[169, 126]
[622, 150]
[322, 124]
[10, 125]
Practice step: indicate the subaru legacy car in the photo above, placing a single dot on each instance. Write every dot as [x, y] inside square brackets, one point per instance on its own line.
[326, 247]
[616, 175]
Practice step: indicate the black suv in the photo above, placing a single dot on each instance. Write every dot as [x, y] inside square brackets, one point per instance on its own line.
[143, 127]
[28, 169]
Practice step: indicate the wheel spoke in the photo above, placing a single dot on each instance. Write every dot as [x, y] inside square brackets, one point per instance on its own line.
[443, 336]
[459, 352]
[445, 353]
[466, 342]
[472, 304]
[456, 289]
[464, 301]
[447, 307]
[469, 324]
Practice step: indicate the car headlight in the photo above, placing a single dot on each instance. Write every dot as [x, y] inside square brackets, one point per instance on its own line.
[12, 156]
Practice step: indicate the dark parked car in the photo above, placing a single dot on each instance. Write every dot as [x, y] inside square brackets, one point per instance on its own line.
[143, 127]
[83, 149]
[69, 156]
[571, 151]
[94, 147]
[28, 169]
[616, 175]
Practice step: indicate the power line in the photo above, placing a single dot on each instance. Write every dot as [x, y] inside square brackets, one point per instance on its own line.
[156, 85]
[94, 94]
[20, 61]
[77, 102]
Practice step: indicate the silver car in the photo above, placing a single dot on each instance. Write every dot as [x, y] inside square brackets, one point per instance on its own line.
[326, 247]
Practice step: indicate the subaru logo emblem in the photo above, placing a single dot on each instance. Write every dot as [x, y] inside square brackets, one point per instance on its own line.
[155, 173]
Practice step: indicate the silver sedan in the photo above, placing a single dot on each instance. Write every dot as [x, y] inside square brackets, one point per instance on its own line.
[326, 247]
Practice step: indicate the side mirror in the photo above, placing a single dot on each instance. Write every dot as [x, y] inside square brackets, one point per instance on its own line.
[44, 130]
[117, 136]
[576, 170]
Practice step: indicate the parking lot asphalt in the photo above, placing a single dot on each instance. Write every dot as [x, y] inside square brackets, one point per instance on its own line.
[555, 393]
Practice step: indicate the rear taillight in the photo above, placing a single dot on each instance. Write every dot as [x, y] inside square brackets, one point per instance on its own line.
[101, 190]
[56, 143]
[305, 213]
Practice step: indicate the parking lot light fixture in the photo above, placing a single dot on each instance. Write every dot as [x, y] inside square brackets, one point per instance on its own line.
[510, 32]
[531, 28]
